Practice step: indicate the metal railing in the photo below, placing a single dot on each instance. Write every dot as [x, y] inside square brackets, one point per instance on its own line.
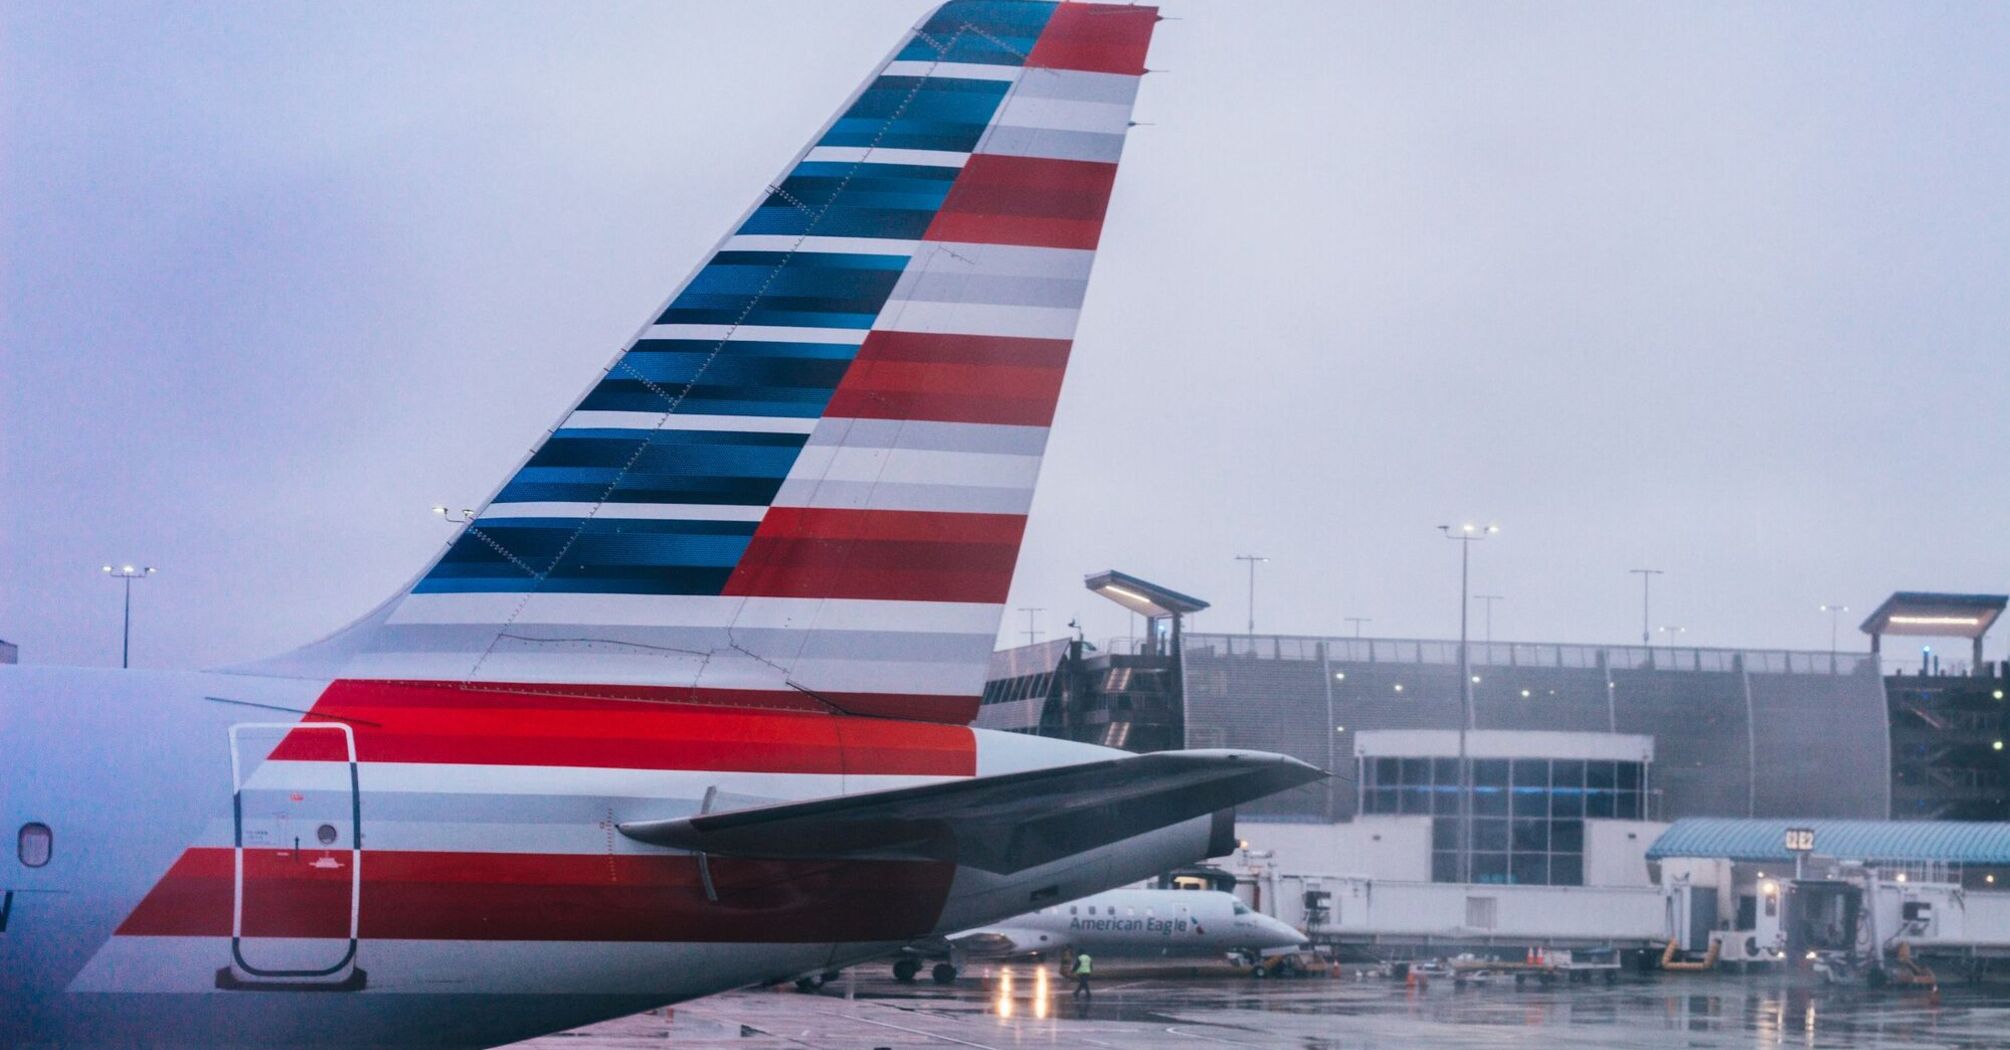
[1425, 651]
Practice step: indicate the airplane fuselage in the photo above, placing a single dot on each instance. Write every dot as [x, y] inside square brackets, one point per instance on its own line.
[464, 883]
[1141, 923]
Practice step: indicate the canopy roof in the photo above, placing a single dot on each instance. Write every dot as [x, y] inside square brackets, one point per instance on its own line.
[1951, 842]
[1936, 615]
[1142, 596]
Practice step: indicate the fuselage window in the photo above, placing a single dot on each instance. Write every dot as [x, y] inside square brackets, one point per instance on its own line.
[1071, 909]
[35, 844]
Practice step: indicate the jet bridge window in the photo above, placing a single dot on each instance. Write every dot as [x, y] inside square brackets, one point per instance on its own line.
[35, 844]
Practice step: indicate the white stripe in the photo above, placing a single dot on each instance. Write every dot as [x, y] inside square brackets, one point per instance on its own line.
[876, 495]
[950, 70]
[658, 971]
[1030, 322]
[786, 242]
[443, 834]
[626, 511]
[914, 466]
[756, 333]
[687, 421]
[930, 158]
[701, 610]
[716, 670]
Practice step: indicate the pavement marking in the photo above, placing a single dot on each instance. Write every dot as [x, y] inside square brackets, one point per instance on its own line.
[1175, 1030]
[920, 1032]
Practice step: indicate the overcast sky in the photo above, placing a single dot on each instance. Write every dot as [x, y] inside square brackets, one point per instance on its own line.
[1719, 289]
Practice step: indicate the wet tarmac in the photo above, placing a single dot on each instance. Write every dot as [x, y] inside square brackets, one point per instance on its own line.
[864, 1011]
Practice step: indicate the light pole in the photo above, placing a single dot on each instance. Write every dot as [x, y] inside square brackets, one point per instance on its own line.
[1834, 611]
[1466, 535]
[1252, 559]
[1671, 631]
[1032, 631]
[1490, 599]
[1646, 584]
[1357, 621]
[127, 574]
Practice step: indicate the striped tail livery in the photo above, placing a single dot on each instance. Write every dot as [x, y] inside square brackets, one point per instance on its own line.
[683, 706]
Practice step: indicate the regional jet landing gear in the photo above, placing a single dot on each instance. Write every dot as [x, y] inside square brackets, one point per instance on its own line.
[905, 970]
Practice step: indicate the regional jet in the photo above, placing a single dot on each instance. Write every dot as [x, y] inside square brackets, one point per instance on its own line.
[1118, 924]
[684, 705]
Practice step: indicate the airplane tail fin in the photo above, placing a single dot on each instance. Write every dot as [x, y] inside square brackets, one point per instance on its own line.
[804, 482]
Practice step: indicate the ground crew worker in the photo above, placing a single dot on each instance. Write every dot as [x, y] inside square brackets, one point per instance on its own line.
[1084, 966]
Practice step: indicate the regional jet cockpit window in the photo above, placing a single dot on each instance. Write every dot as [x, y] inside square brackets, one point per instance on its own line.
[35, 845]
[1241, 908]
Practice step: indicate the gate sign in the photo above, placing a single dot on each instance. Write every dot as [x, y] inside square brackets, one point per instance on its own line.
[1800, 840]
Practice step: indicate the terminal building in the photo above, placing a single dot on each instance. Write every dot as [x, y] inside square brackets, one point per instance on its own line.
[1579, 754]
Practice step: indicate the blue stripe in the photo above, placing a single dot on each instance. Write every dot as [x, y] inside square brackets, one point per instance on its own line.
[666, 450]
[633, 395]
[800, 289]
[934, 113]
[598, 555]
[992, 32]
[739, 377]
[655, 466]
[604, 581]
[877, 200]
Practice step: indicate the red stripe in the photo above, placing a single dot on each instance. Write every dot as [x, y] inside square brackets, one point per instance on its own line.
[1035, 201]
[932, 348]
[541, 725]
[800, 552]
[546, 897]
[823, 523]
[1100, 38]
[953, 379]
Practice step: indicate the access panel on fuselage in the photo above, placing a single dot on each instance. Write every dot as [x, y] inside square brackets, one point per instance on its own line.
[296, 879]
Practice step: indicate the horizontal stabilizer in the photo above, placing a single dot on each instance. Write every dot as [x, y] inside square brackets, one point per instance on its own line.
[1000, 824]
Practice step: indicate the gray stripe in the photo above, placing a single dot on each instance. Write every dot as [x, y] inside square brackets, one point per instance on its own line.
[948, 286]
[1054, 145]
[931, 436]
[1000, 260]
[867, 495]
[1078, 86]
[683, 644]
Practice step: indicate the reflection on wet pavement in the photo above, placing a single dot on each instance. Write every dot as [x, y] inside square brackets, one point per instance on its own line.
[1689, 1012]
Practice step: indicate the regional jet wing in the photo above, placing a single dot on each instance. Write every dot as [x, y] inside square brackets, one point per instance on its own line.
[1003, 823]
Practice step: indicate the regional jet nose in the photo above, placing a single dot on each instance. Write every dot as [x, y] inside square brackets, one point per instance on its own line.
[1277, 933]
